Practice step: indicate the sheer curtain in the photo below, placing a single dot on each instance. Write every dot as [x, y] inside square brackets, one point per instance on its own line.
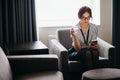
[17, 21]
[63, 12]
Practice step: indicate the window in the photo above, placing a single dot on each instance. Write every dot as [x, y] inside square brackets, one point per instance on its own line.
[63, 12]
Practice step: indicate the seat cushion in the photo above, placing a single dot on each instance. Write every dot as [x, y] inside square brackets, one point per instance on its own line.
[103, 62]
[74, 66]
[49, 75]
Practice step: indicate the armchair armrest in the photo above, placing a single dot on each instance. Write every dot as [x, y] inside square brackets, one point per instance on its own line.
[107, 50]
[50, 37]
[33, 63]
[62, 53]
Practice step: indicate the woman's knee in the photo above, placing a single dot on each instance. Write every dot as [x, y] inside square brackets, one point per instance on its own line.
[95, 53]
[88, 54]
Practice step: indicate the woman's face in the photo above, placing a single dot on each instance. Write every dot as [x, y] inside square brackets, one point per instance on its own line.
[85, 17]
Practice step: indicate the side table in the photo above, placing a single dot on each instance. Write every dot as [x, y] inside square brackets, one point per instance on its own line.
[29, 48]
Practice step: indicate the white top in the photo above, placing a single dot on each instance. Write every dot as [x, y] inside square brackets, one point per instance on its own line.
[93, 32]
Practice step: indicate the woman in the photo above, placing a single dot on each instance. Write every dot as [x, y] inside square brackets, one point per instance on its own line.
[84, 36]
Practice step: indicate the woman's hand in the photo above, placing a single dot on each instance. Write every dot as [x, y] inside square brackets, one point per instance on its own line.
[93, 45]
[77, 45]
[73, 32]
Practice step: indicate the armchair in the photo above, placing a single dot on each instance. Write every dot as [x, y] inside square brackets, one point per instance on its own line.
[29, 67]
[61, 42]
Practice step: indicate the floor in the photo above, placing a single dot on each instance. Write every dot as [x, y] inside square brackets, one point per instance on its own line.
[74, 77]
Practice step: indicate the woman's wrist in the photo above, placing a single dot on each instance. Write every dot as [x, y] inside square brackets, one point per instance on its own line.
[74, 36]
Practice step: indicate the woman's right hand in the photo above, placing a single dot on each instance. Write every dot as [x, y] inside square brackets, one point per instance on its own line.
[77, 45]
[73, 32]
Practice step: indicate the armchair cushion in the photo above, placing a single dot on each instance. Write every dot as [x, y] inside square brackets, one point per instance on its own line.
[74, 66]
[63, 36]
[48, 75]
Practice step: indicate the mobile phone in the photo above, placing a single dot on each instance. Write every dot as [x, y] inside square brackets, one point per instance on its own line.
[93, 42]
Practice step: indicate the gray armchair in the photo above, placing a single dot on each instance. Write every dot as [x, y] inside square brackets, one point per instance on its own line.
[29, 67]
[61, 42]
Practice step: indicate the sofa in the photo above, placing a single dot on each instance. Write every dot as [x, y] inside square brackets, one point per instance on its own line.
[29, 67]
[61, 42]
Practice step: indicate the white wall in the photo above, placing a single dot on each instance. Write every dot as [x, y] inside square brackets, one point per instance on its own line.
[105, 29]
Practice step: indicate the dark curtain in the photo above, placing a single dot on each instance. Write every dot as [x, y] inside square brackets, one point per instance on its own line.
[17, 21]
[1, 35]
[116, 29]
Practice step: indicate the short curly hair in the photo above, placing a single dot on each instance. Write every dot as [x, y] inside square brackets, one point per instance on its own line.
[84, 9]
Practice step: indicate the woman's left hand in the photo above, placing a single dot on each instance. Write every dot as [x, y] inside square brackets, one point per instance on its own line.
[93, 45]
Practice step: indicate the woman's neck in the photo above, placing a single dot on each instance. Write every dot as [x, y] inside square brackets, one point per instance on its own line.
[83, 25]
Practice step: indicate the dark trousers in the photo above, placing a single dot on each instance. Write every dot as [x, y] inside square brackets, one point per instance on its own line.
[88, 57]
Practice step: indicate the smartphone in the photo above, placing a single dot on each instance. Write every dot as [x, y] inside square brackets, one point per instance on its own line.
[93, 42]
